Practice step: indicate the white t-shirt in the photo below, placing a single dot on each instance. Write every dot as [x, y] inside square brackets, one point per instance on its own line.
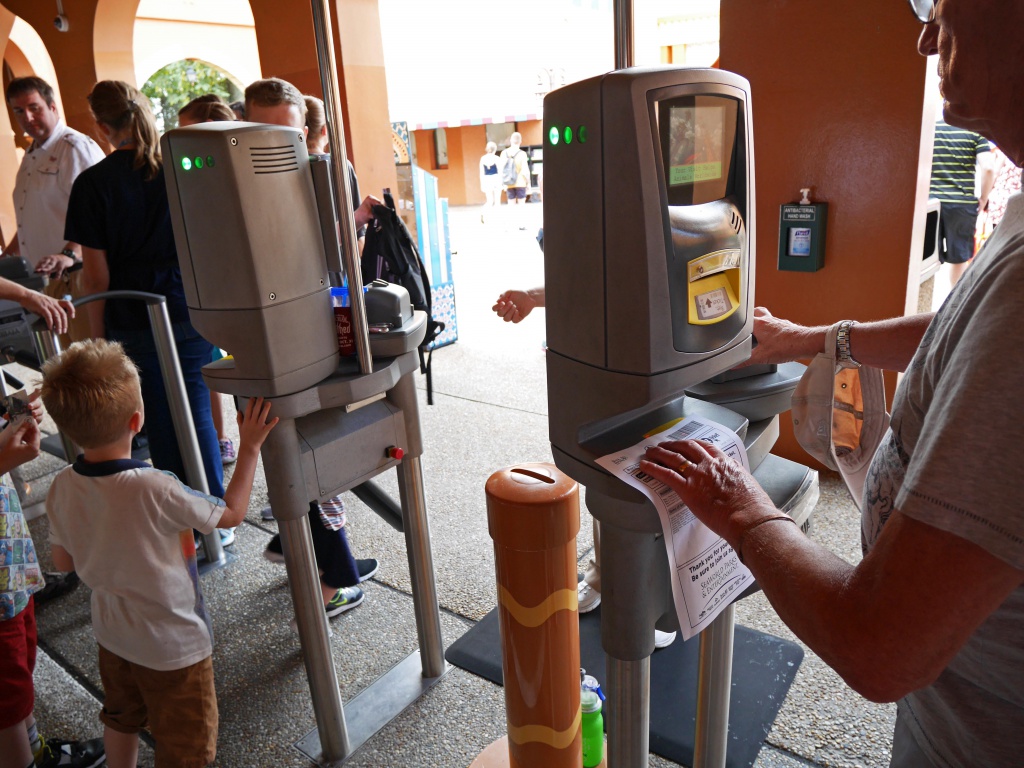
[952, 460]
[128, 527]
[42, 189]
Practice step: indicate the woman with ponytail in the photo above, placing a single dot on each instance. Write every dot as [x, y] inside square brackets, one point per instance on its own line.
[118, 211]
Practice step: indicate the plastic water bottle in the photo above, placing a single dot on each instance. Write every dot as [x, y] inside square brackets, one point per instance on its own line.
[591, 697]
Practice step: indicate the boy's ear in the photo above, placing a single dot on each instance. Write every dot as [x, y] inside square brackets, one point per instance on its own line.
[135, 422]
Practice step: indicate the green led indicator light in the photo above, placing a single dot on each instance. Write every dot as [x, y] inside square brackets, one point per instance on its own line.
[199, 162]
[186, 164]
[568, 135]
[209, 161]
[581, 134]
[553, 135]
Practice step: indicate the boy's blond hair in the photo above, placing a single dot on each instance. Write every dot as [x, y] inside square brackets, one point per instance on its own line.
[91, 391]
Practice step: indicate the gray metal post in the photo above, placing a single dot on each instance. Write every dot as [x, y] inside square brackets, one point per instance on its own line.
[286, 487]
[339, 167]
[181, 415]
[417, 534]
[629, 727]
[47, 346]
[623, 33]
[714, 680]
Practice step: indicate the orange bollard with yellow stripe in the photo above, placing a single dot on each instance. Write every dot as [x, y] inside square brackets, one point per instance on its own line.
[533, 515]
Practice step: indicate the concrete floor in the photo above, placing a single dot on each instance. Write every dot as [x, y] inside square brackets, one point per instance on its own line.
[490, 411]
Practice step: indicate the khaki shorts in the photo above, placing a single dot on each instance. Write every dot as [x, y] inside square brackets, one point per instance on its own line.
[179, 706]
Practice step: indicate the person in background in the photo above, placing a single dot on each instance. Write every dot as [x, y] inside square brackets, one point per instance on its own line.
[119, 212]
[1006, 185]
[932, 617]
[277, 102]
[961, 181]
[517, 190]
[57, 156]
[490, 179]
[206, 109]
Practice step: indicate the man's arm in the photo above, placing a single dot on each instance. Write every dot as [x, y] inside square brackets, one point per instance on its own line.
[985, 178]
[54, 312]
[95, 279]
[889, 625]
[514, 306]
[887, 344]
[55, 264]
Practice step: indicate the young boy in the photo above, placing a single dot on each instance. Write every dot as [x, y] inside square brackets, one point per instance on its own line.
[127, 529]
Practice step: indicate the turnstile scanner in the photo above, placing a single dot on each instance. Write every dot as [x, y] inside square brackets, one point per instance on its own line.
[649, 274]
[255, 229]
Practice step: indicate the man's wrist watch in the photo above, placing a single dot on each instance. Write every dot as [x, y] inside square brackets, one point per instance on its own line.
[843, 355]
[70, 254]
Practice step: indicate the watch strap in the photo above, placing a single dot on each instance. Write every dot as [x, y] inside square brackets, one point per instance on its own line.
[843, 354]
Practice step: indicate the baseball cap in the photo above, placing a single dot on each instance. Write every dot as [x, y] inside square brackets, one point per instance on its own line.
[839, 415]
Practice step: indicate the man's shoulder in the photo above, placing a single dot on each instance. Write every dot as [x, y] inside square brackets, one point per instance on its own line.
[79, 142]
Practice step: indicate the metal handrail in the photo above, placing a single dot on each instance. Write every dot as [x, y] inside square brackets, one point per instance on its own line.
[48, 345]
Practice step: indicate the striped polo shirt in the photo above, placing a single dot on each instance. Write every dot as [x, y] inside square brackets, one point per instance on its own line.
[954, 162]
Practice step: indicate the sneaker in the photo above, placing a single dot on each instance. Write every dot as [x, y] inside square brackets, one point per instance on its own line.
[74, 754]
[227, 452]
[345, 599]
[57, 584]
[367, 568]
[227, 536]
[587, 597]
[663, 639]
[274, 551]
[267, 513]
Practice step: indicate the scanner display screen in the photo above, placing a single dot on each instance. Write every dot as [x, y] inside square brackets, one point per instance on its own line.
[698, 142]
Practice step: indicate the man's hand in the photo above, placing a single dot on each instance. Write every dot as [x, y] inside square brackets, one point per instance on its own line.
[780, 341]
[54, 265]
[55, 313]
[514, 306]
[364, 213]
[253, 426]
[723, 495]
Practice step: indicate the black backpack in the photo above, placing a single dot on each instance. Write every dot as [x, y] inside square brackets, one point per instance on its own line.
[390, 253]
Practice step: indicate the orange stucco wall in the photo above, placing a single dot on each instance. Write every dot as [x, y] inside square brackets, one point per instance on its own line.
[460, 181]
[838, 105]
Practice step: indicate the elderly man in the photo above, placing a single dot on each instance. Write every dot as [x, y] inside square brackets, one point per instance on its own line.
[51, 165]
[933, 616]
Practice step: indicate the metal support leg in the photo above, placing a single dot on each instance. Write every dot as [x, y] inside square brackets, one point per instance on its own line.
[421, 566]
[417, 532]
[47, 347]
[181, 414]
[287, 490]
[713, 687]
[629, 703]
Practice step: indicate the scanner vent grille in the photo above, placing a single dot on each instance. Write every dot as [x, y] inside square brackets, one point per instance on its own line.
[282, 159]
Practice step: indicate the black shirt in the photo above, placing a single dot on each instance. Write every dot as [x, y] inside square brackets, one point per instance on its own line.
[113, 208]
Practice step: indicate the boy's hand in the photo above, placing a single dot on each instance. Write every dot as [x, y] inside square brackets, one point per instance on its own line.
[19, 443]
[253, 426]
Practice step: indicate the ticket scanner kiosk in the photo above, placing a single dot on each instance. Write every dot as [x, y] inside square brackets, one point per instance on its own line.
[649, 273]
[257, 240]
